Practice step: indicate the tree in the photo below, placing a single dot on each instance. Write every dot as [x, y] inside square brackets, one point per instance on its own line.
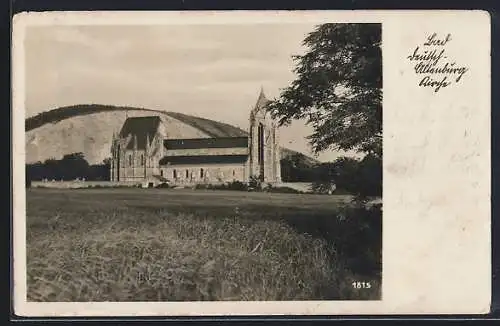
[340, 173]
[338, 89]
[295, 169]
[100, 171]
[360, 177]
[73, 166]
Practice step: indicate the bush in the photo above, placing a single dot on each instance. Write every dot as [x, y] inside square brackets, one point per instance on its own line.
[234, 185]
[69, 168]
[254, 183]
[202, 186]
[295, 168]
[284, 190]
[237, 185]
[251, 186]
[354, 232]
[361, 178]
[163, 185]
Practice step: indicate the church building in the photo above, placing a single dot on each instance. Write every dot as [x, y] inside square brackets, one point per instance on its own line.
[144, 153]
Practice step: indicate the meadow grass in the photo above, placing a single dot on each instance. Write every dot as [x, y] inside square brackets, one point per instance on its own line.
[187, 245]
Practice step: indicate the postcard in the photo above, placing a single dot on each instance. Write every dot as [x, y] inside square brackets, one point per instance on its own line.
[251, 163]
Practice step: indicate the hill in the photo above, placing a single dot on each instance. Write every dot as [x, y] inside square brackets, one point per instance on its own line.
[88, 128]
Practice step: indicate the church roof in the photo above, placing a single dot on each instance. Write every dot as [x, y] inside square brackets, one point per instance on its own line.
[140, 127]
[204, 159]
[196, 143]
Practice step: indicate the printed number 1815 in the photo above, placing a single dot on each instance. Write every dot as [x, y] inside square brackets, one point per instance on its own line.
[361, 285]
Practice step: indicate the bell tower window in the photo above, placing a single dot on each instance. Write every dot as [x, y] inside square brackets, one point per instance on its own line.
[261, 143]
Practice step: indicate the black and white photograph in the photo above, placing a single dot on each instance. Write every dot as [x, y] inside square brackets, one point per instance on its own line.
[204, 162]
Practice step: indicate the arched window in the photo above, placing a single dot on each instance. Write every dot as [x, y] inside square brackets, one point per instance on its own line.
[201, 173]
[187, 174]
[118, 157]
[175, 174]
[234, 173]
[142, 159]
[161, 173]
[129, 159]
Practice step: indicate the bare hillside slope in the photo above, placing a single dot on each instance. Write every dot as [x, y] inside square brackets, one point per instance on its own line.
[89, 129]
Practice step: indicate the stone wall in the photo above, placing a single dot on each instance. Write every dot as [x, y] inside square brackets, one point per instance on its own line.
[209, 174]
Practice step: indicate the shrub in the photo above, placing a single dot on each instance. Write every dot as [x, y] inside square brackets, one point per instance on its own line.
[234, 185]
[354, 232]
[361, 178]
[251, 186]
[163, 185]
[237, 185]
[284, 190]
[254, 183]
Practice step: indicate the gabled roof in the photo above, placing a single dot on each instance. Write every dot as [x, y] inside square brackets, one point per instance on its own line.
[140, 127]
[196, 143]
[204, 159]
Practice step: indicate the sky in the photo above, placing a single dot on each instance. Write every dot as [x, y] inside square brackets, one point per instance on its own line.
[210, 71]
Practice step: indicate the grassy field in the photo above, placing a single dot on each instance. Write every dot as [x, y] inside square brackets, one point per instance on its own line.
[177, 245]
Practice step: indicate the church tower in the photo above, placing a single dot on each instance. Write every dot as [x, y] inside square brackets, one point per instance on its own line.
[264, 158]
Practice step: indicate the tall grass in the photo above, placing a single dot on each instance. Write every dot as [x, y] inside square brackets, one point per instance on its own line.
[128, 253]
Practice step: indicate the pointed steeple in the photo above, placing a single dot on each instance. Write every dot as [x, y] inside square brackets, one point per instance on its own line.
[259, 105]
[262, 100]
